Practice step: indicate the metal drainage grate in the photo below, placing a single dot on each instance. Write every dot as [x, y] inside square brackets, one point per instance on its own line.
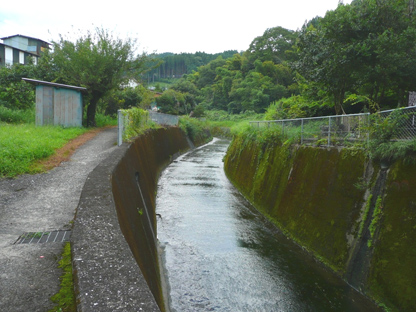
[44, 237]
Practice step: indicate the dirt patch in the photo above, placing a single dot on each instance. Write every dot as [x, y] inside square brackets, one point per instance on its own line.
[65, 152]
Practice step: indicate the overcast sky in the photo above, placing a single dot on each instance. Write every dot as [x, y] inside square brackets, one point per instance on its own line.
[162, 25]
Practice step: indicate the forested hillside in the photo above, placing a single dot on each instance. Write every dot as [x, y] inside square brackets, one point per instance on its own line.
[176, 65]
[359, 57]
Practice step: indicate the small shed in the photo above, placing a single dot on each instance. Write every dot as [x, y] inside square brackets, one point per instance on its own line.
[57, 104]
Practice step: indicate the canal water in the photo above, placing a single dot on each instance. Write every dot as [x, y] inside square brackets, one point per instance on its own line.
[219, 254]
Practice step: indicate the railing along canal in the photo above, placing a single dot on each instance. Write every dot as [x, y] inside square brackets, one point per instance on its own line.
[344, 129]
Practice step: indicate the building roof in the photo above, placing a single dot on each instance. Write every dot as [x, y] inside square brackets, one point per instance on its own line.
[53, 84]
[18, 35]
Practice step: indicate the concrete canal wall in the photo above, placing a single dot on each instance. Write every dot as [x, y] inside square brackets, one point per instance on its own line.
[352, 214]
[114, 237]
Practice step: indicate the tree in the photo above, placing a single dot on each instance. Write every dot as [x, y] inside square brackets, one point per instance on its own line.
[274, 45]
[365, 48]
[171, 102]
[98, 62]
[14, 92]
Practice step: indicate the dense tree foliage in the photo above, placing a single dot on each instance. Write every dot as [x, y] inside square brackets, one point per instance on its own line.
[248, 81]
[14, 92]
[366, 48]
[125, 98]
[357, 57]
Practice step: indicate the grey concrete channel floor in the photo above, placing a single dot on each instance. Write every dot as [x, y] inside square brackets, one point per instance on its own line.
[29, 273]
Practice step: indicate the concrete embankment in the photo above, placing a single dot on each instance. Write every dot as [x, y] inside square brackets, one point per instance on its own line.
[114, 235]
[354, 215]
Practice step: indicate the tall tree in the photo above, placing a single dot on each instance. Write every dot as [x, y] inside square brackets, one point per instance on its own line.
[274, 45]
[97, 61]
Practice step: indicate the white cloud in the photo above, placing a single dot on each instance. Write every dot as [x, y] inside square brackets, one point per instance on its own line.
[163, 25]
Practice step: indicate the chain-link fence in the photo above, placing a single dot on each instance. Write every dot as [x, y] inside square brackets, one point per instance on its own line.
[401, 123]
[346, 129]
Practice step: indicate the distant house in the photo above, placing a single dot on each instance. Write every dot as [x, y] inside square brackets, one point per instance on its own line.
[19, 48]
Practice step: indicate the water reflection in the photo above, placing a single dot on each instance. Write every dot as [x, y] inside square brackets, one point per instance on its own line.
[221, 255]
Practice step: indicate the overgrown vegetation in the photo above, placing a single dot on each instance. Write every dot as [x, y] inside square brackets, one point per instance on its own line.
[389, 137]
[65, 298]
[136, 121]
[8, 115]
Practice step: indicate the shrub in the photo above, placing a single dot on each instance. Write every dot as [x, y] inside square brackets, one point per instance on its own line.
[17, 115]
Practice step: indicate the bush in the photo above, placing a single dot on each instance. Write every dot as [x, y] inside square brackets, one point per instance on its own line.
[14, 92]
[383, 145]
[196, 130]
[290, 108]
[136, 121]
[105, 120]
[17, 115]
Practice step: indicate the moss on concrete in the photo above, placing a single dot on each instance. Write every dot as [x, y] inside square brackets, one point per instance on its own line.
[393, 276]
[318, 197]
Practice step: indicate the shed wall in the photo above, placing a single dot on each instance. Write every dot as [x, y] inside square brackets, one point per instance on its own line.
[58, 106]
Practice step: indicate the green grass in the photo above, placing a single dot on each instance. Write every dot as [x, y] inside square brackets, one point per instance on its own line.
[105, 120]
[22, 145]
[65, 298]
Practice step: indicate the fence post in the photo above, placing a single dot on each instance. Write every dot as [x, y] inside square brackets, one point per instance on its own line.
[120, 127]
[301, 133]
[329, 132]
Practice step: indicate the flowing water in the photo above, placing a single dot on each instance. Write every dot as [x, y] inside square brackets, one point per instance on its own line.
[219, 254]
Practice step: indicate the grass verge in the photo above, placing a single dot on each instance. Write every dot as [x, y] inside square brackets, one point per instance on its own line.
[22, 145]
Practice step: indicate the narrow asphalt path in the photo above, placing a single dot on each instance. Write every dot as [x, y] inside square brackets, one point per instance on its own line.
[29, 273]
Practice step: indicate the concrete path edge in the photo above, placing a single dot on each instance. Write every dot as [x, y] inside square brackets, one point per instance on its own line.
[107, 277]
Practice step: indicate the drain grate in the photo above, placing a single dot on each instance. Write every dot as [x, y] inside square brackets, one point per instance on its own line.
[44, 237]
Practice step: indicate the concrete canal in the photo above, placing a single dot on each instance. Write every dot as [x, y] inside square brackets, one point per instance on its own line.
[219, 254]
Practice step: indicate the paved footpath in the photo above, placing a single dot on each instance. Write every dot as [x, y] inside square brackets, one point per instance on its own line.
[29, 273]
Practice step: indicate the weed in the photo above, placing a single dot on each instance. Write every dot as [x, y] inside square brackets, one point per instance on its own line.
[65, 298]
[362, 184]
[377, 213]
[366, 212]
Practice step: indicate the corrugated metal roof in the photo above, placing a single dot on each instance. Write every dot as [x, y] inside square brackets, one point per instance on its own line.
[53, 84]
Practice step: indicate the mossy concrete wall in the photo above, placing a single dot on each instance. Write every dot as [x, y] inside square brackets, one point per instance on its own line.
[134, 185]
[325, 200]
